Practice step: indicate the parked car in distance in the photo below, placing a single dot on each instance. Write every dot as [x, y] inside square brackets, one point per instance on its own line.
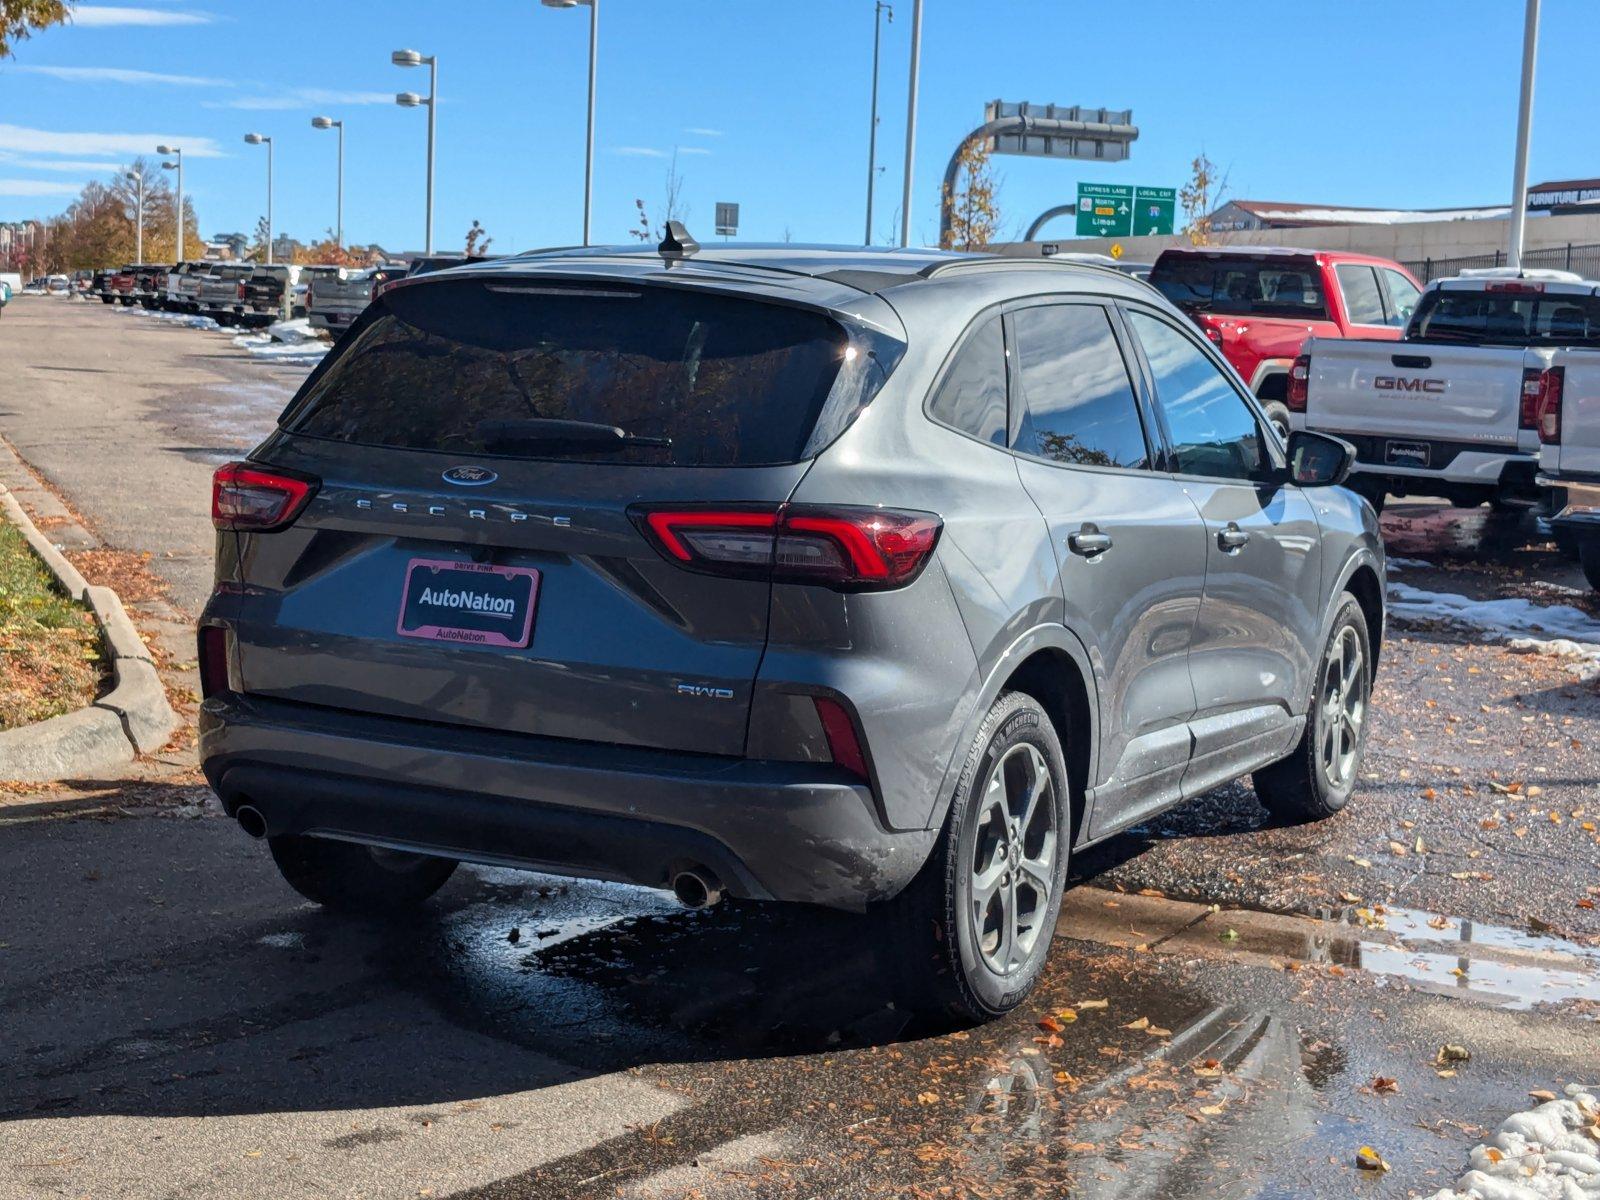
[309, 275]
[334, 304]
[81, 281]
[271, 293]
[1568, 423]
[123, 286]
[100, 285]
[1259, 304]
[221, 291]
[1452, 410]
[150, 284]
[665, 566]
[185, 291]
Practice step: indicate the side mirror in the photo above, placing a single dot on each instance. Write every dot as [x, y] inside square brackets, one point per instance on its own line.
[1317, 460]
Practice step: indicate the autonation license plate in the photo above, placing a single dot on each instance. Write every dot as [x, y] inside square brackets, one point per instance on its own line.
[1407, 454]
[476, 603]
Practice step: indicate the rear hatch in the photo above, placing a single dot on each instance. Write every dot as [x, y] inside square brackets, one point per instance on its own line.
[469, 555]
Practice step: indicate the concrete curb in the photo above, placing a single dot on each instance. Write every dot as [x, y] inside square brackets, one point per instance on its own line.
[132, 718]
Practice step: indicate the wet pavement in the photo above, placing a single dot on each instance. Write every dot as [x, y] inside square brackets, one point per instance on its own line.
[1233, 1008]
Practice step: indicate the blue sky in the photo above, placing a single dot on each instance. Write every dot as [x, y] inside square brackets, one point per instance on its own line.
[1384, 104]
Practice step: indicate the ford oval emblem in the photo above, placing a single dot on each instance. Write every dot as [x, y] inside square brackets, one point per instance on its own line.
[470, 476]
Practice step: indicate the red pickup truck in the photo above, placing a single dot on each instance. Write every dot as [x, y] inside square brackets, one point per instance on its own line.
[1258, 305]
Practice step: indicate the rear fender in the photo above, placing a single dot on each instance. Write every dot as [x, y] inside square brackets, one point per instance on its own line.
[1040, 637]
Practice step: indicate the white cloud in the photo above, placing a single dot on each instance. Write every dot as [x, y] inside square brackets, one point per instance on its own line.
[701, 131]
[37, 187]
[50, 141]
[302, 98]
[639, 151]
[693, 150]
[103, 16]
[58, 164]
[120, 75]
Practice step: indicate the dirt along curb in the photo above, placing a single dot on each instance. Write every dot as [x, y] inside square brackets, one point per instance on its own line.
[132, 718]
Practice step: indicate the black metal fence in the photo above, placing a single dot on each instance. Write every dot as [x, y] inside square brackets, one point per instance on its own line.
[1585, 260]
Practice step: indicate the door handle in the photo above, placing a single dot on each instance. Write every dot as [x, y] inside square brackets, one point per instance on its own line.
[1088, 542]
[1232, 538]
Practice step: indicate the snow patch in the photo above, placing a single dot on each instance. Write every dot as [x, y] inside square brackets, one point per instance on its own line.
[1542, 1154]
[1513, 617]
[291, 341]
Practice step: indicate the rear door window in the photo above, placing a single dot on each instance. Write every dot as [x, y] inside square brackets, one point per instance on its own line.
[1363, 302]
[611, 374]
[1403, 295]
[1076, 399]
[971, 397]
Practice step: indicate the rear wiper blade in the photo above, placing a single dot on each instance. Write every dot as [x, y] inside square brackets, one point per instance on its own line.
[554, 433]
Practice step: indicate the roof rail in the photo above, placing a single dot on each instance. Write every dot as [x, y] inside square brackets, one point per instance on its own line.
[1000, 261]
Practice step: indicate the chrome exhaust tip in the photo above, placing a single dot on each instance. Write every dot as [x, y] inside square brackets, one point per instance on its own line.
[251, 821]
[696, 889]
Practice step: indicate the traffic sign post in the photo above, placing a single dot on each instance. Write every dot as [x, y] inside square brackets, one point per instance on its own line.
[1113, 210]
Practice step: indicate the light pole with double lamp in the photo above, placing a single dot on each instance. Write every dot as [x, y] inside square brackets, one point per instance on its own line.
[175, 153]
[410, 58]
[256, 139]
[588, 153]
[330, 123]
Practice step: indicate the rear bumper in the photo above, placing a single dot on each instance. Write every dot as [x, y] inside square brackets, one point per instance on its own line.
[1574, 504]
[801, 832]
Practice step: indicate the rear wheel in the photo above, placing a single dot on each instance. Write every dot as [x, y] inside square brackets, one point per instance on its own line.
[1319, 775]
[1589, 560]
[354, 878]
[976, 924]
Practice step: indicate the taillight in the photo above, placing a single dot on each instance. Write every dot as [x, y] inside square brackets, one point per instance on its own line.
[241, 291]
[1299, 384]
[1547, 409]
[1541, 392]
[840, 730]
[247, 497]
[213, 660]
[845, 548]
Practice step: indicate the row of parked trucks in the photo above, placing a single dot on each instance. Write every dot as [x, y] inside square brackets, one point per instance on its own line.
[252, 295]
[1482, 388]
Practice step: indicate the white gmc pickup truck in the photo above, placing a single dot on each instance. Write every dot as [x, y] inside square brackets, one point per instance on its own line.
[1452, 408]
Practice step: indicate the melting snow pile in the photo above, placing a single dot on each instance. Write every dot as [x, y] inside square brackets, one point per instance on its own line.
[1551, 1152]
[292, 341]
[1564, 631]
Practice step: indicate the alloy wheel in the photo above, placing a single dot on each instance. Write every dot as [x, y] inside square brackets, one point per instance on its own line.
[1343, 708]
[1013, 868]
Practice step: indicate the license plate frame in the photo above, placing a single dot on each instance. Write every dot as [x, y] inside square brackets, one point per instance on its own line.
[1407, 453]
[515, 622]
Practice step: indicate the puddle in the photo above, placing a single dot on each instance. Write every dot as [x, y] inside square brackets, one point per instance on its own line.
[1495, 964]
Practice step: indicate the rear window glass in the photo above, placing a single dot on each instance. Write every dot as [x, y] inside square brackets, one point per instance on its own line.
[534, 371]
[1242, 286]
[1506, 318]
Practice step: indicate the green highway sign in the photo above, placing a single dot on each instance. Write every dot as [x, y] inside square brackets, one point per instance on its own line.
[1123, 210]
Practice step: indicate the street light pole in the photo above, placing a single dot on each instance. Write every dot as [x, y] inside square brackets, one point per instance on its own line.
[1519, 185]
[176, 154]
[911, 122]
[256, 139]
[138, 210]
[410, 58]
[878, 9]
[594, 57]
[329, 123]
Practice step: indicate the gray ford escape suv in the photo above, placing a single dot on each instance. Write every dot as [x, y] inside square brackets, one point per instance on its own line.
[874, 580]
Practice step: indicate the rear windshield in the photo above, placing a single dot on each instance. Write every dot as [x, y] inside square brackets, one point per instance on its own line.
[1506, 318]
[1240, 286]
[690, 379]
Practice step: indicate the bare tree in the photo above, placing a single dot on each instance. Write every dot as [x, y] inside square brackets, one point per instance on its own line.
[1200, 198]
[672, 207]
[478, 240]
[974, 204]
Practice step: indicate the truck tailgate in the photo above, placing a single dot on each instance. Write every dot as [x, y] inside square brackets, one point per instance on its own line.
[1456, 392]
[1578, 452]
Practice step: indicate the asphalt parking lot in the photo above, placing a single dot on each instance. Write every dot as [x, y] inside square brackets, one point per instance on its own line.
[179, 1023]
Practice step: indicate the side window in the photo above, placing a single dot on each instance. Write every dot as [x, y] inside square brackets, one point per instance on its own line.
[1403, 295]
[1213, 430]
[1363, 302]
[1078, 404]
[972, 395]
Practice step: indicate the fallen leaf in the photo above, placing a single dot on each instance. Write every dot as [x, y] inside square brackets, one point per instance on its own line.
[1492, 1154]
[1445, 1074]
[1157, 1031]
[927, 1098]
[1141, 1023]
[1382, 1084]
[1450, 1052]
[1083, 1004]
[1051, 1025]
[1213, 1110]
[1159, 895]
[1228, 935]
[1542, 1095]
[1396, 849]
